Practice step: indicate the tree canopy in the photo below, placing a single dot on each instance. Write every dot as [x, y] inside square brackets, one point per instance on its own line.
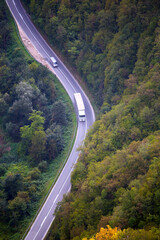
[35, 114]
[114, 46]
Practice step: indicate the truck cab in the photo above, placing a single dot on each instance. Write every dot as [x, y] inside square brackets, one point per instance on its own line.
[82, 116]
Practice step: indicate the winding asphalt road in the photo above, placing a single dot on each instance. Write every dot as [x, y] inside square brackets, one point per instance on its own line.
[45, 217]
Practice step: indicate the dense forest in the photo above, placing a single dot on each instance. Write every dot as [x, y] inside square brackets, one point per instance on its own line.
[36, 126]
[115, 47]
[105, 40]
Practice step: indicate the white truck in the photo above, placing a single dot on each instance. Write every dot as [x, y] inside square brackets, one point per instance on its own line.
[80, 107]
[53, 62]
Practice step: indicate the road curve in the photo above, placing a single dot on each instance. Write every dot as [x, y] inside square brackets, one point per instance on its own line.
[45, 217]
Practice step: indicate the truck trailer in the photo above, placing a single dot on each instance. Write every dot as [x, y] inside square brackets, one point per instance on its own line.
[53, 62]
[80, 107]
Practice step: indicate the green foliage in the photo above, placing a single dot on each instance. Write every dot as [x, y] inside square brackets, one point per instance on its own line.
[34, 174]
[12, 184]
[131, 234]
[123, 32]
[33, 135]
[124, 187]
[59, 113]
[18, 206]
[142, 197]
[117, 234]
[28, 93]
[38, 146]
[115, 47]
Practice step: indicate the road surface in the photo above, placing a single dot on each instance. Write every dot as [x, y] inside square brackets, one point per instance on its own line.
[45, 217]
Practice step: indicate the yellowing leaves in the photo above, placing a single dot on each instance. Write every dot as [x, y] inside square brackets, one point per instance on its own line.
[106, 234]
[129, 234]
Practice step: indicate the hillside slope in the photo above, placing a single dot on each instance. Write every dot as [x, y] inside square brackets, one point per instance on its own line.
[115, 46]
[102, 39]
[37, 124]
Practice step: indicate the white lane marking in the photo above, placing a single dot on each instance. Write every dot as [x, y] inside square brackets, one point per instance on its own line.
[67, 80]
[43, 221]
[14, 2]
[20, 16]
[36, 235]
[48, 227]
[52, 205]
[45, 217]
[69, 189]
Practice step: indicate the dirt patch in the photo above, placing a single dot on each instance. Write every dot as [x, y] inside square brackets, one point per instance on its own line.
[32, 50]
